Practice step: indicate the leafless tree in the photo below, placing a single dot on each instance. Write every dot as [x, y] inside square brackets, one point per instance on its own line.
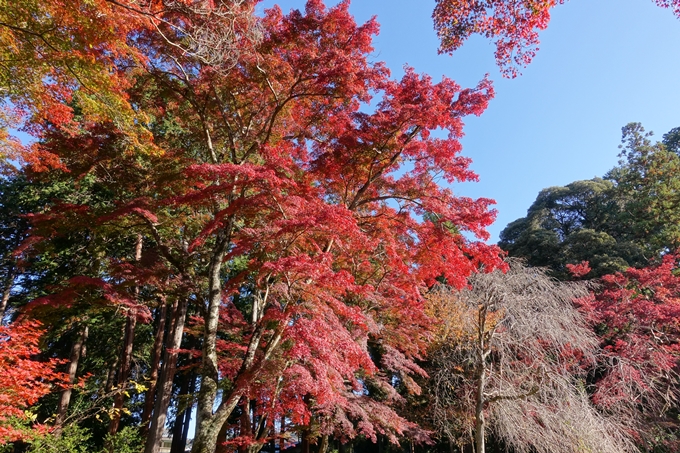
[214, 32]
[510, 360]
[219, 31]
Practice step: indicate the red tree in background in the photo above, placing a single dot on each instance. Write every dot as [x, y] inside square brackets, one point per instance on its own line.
[637, 316]
[513, 25]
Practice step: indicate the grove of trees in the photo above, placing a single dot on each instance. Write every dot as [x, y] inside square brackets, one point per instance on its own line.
[239, 225]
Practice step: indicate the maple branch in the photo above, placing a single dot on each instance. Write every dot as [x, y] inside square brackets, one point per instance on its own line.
[389, 197]
[54, 49]
[181, 68]
[213, 156]
[373, 177]
[223, 108]
[273, 342]
[328, 246]
[269, 83]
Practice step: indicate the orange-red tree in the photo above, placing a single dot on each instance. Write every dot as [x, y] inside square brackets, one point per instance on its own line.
[24, 378]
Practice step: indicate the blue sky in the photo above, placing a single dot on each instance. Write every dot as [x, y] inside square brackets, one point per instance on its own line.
[601, 64]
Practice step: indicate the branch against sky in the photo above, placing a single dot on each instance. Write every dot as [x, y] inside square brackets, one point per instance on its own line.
[513, 25]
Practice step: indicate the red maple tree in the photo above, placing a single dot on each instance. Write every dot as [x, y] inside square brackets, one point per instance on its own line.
[24, 379]
[636, 314]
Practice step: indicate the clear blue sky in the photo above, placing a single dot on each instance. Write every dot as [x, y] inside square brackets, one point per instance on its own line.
[602, 64]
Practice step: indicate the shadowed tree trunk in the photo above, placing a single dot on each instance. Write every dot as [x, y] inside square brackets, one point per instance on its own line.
[76, 353]
[125, 354]
[180, 431]
[155, 365]
[167, 374]
[282, 431]
[246, 428]
[123, 372]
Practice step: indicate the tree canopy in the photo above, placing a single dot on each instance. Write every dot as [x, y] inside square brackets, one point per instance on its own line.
[627, 218]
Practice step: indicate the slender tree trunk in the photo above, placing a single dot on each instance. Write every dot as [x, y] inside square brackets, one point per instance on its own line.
[282, 431]
[305, 444]
[155, 366]
[126, 353]
[167, 374]
[111, 376]
[123, 372]
[7, 291]
[246, 427]
[76, 353]
[222, 439]
[180, 431]
[187, 419]
[483, 352]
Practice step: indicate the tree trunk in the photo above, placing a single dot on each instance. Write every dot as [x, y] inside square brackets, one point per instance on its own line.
[222, 439]
[206, 424]
[323, 445]
[180, 431]
[167, 374]
[304, 444]
[155, 366]
[209, 423]
[126, 353]
[76, 354]
[483, 352]
[6, 291]
[123, 372]
[282, 431]
[246, 427]
[208, 430]
[111, 375]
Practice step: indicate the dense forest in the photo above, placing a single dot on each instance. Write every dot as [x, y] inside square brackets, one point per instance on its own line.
[233, 231]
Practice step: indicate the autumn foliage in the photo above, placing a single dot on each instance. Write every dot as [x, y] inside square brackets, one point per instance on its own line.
[236, 217]
[636, 316]
[24, 378]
